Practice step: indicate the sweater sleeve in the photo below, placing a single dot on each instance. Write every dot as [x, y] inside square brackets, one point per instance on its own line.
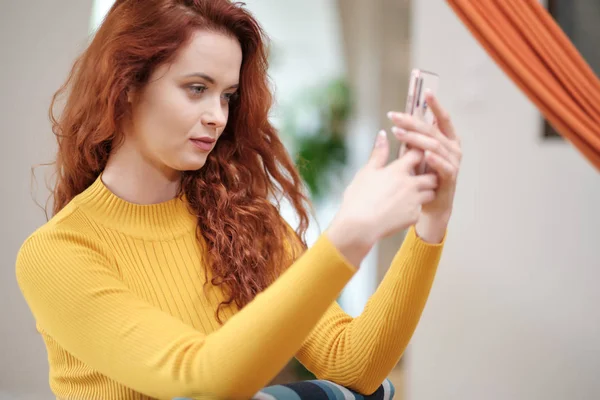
[360, 352]
[72, 286]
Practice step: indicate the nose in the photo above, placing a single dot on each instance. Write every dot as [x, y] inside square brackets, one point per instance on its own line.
[214, 116]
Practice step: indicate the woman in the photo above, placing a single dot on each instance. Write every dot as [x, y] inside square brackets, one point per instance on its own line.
[166, 271]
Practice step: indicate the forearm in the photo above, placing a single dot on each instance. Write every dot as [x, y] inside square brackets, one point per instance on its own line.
[280, 319]
[393, 312]
[361, 352]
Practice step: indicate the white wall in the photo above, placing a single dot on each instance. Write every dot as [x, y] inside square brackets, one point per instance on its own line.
[512, 314]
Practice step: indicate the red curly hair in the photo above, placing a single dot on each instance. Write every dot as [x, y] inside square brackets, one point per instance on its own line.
[235, 196]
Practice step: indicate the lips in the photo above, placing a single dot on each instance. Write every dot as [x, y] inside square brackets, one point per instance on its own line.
[203, 143]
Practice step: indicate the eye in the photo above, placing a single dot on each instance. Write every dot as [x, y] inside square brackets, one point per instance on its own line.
[229, 97]
[196, 90]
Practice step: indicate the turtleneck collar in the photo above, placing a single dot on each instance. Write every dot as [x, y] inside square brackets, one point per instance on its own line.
[162, 220]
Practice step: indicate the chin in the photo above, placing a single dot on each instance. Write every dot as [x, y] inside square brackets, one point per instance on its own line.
[187, 161]
[191, 165]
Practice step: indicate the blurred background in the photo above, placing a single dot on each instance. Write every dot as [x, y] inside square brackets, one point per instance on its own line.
[512, 314]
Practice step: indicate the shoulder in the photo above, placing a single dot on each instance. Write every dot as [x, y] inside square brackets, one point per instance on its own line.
[69, 235]
[68, 224]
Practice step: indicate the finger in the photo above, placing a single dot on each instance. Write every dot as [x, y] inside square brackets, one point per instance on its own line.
[442, 116]
[456, 151]
[441, 166]
[380, 152]
[410, 123]
[422, 142]
[426, 196]
[409, 160]
[426, 182]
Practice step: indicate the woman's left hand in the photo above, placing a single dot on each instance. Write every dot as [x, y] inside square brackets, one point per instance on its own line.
[443, 156]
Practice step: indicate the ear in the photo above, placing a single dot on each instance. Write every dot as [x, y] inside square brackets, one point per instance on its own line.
[131, 93]
[130, 98]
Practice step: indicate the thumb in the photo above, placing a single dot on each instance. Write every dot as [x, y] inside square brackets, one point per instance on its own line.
[380, 152]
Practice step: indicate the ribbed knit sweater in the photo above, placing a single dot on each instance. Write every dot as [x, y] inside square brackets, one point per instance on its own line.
[117, 292]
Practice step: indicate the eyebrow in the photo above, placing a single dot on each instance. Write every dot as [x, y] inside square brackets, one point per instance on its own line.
[208, 79]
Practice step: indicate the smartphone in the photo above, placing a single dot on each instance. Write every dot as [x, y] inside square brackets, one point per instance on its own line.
[420, 81]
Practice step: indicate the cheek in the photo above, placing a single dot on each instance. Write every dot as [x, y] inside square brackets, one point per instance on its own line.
[169, 119]
[181, 113]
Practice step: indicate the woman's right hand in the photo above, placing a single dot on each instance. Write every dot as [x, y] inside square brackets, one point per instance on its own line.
[380, 200]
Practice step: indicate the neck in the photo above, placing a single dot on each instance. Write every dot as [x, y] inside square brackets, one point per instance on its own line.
[135, 179]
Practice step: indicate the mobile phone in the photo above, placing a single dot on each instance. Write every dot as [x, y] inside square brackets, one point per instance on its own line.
[420, 81]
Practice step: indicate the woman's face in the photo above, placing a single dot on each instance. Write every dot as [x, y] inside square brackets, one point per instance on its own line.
[178, 116]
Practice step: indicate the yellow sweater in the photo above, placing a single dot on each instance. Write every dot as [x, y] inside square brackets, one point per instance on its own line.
[117, 293]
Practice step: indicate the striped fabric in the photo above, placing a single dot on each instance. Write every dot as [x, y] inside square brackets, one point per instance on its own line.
[321, 390]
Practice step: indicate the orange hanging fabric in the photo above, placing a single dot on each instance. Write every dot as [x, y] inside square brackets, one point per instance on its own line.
[526, 42]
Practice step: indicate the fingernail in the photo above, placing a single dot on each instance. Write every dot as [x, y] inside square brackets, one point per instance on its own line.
[394, 115]
[398, 131]
[381, 138]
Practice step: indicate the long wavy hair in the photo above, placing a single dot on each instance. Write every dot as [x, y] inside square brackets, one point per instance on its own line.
[236, 195]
